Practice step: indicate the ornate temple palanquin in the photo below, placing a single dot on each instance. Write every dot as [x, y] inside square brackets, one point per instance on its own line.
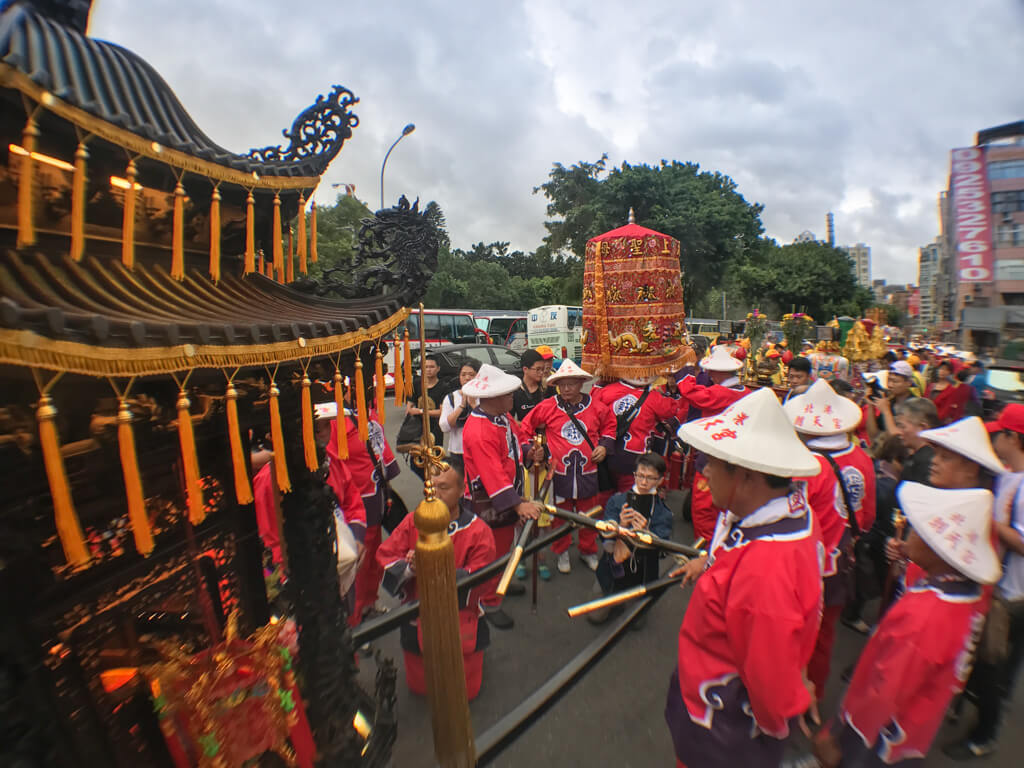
[151, 336]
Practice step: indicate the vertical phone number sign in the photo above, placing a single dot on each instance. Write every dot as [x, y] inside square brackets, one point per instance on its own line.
[972, 215]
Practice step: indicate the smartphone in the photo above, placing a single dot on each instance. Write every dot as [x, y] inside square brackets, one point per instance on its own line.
[643, 504]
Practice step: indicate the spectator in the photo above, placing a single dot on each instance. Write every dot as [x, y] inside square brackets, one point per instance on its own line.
[535, 370]
[949, 395]
[435, 393]
[455, 408]
[913, 417]
[798, 376]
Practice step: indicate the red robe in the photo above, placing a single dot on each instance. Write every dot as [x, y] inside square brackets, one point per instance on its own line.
[473, 545]
[494, 468]
[916, 661]
[619, 397]
[858, 473]
[361, 465]
[746, 638]
[951, 402]
[575, 475]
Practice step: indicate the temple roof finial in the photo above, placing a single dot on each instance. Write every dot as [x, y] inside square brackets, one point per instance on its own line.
[632, 216]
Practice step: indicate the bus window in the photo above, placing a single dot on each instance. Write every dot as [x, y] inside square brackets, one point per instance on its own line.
[575, 316]
[413, 324]
[465, 331]
[434, 326]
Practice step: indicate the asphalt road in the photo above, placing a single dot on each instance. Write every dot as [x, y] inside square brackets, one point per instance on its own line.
[613, 715]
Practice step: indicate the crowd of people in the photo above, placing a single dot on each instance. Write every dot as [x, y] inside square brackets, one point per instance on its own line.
[812, 502]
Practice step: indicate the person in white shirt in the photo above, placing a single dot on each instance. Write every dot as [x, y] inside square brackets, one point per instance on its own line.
[454, 408]
[993, 683]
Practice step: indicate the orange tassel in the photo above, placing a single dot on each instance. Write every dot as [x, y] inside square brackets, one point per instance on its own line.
[407, 362]
[26, 186]
[364, 427]
[189, 461]
[250, 236]
[277, 441]
[312, 234]
[308, 438]
[243, 489]
[378, 385]
[68, 528]
[178, 234]
[303, 267]
[290, 264]
[78, 203]
[399, 380]
[128, 228]
[133, 482]
[276, 237]
[341, 422]
[261, 269]
[215, 235]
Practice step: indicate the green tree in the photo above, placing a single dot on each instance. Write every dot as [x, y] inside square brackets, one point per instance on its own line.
[337, 229]
[811, 277]
[716, 227]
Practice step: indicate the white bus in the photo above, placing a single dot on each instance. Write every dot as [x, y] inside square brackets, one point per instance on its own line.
[559, 327]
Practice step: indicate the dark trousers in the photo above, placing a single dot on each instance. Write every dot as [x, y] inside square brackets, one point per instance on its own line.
[642, 568]
[993, 683]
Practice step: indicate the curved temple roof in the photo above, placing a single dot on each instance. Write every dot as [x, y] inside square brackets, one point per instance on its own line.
[117, 86]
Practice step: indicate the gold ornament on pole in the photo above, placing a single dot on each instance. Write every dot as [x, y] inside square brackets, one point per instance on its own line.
[439, 608]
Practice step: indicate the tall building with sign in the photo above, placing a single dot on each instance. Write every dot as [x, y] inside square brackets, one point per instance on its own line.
[983, 219]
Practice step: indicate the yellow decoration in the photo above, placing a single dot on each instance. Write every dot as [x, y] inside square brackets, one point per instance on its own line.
[78, 181]
[133, 481]
[312, 235]
[243, 488]
[189, 461]
[215, 235]
[407, 363]
[128, 228]
[379, 385]
[362, 421]
[26, 186]
[178, 234]
[275, 235]
[250, 235]
[308, 438]
[303, 267]
[340, 423]
[399, 378]
[284, 484]
[69, 530]
[290, 264]
[857, 347]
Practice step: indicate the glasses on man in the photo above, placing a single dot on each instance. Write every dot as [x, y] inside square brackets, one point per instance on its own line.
[537, 368]
[647, 478]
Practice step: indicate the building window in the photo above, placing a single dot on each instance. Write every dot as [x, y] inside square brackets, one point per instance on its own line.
[1006, 169]
[1010, 235]
[1008, 202]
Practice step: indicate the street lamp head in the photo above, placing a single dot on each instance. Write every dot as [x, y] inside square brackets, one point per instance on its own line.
[408, 129]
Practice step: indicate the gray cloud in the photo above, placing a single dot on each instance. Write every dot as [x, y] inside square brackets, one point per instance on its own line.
[810, 106]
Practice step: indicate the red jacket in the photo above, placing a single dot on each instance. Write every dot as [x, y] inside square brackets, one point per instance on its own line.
[473, 545]
[916, 661]
[951, 402]
[619, 397]
[747, 636]
[858, 473]
[575, 474]
[361, 466]
[711, 399]
[494, 467]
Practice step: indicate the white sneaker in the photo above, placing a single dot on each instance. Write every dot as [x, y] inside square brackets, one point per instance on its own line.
[590, 560]
[564, 566]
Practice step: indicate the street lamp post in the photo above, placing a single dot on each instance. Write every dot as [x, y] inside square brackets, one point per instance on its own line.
[405, 132]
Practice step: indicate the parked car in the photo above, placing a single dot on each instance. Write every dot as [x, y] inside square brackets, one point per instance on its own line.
[1004, 384]
[451, 356]
[503, 327]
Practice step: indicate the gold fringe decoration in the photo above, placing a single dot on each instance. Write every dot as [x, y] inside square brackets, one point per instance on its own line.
[128, 228]
[308, 438]
[407, 363]
[26, 185]
[178, 233]
[362, 421]
[78, 181]
[132, 479]
[275, 235]
[399, 380]
[284, 484]
[243, 488]
[379, 385]
[290, 264]
[341, 423]
[250, 236]
[69, 530]
[215, 235]
[303, 267]
[189, 460]
[600, 310]
[312, 235]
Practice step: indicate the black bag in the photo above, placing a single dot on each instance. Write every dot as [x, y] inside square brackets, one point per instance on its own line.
[625, 419]
[411, 430]
[851, 568]
[605, 476]
[394, 507]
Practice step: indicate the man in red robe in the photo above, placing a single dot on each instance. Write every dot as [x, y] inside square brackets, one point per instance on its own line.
[753, 618]
[711, 399]
[580, 433]
[491, 445]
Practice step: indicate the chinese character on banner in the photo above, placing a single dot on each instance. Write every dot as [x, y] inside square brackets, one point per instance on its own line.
[809, 408]
[712, 423]
[739, 418]
[725, 433]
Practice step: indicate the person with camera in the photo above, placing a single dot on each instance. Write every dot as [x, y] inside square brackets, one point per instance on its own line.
[889, 390]
[455, 408]
[622, 565]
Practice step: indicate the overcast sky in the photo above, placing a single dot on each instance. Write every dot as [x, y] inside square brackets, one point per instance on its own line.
[809, 106]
